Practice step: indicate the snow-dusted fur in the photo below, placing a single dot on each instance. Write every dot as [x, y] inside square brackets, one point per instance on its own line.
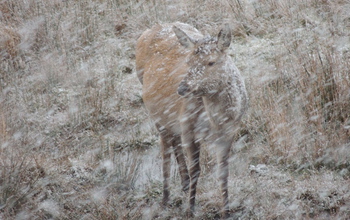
[191, 88]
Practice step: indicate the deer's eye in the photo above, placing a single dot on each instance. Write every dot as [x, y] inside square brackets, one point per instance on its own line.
[211, 63]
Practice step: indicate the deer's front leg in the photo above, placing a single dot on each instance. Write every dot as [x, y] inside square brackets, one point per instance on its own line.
[191, 143]
[180, 158]
[193, 152]
[223, 149]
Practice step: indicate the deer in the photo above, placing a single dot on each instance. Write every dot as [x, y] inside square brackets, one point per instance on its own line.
[194, 93]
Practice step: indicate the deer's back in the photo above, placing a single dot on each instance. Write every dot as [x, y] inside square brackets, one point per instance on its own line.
[160, 65]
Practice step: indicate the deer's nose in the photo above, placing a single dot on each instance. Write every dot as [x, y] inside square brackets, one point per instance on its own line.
[183, 89]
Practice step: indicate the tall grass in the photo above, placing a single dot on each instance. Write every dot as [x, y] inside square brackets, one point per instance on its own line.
[302, 102]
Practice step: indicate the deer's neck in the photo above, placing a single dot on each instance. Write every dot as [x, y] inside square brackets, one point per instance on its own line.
[226, 106]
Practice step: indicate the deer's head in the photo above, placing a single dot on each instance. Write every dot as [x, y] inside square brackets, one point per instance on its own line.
[205, 62]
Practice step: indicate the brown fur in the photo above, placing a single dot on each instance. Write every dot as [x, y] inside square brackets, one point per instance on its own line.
[191, 88]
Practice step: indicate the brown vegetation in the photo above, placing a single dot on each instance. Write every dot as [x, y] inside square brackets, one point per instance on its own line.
[9, 42]
[9, 50]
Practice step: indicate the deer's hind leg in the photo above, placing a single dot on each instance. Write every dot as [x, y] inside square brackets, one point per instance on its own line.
[165, 144]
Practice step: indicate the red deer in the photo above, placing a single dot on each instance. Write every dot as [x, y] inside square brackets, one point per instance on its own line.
[189, 82]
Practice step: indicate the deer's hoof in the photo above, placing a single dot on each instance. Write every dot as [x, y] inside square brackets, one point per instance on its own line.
[189, 213]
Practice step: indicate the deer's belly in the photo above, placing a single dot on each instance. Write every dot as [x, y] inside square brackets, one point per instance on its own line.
[164, 110]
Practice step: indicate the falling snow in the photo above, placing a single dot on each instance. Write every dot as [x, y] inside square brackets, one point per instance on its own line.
[76, 141]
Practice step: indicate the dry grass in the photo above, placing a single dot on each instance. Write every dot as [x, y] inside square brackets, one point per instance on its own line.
[302, 97]
[76, 142]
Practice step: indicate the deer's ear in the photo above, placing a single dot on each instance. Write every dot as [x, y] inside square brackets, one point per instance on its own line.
[224, 38]
[184, 39]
